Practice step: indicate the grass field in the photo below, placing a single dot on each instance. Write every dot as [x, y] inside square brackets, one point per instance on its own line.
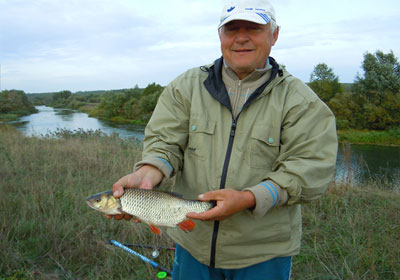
[389, 137]
[48, 232]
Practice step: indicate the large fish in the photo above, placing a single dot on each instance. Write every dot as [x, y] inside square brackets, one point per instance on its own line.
[156, 208]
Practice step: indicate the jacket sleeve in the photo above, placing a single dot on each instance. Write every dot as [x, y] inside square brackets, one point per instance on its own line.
[167, 131]
[307, 158]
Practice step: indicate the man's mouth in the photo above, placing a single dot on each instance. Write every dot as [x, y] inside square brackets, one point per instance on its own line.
[243, 50]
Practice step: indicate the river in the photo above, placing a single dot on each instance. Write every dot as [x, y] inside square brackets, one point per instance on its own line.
[356, 164]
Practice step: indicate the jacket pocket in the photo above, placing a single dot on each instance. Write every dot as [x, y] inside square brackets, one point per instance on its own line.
[201, 132]
[264, 146]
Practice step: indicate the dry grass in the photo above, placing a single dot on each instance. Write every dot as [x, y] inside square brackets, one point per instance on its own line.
[48, 232]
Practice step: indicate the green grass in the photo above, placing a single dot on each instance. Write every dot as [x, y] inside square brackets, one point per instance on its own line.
[48, 232]
[388, 137]
[8, 117]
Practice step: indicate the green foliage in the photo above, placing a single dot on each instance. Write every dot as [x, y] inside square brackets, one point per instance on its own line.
[133, 104]
[344, 107]
[15, 103]
[373, 100]
[377, 92]
[324, 82]
[381, 75]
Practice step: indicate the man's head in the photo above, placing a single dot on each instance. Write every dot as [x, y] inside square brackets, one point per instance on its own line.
[247, 32]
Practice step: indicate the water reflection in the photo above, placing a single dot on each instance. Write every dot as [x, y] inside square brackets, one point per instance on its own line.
[49, 120]
[359, 164]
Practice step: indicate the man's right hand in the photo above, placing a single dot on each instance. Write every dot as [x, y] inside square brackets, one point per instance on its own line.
[145, 177]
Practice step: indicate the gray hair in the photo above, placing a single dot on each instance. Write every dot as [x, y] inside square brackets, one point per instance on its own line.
[273, 25]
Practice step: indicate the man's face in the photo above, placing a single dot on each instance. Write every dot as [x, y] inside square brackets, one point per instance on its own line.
[246, 45]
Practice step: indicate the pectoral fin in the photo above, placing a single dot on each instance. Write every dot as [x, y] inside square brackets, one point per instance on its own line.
[154, 229]
[187, 225]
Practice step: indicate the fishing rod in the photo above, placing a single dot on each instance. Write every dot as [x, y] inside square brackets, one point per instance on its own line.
[143, 258]
[156, 249]
[150, 246]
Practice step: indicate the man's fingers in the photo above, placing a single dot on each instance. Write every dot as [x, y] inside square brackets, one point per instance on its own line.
[211, 195]
[127, 217]
[118, 217]
[206, 216]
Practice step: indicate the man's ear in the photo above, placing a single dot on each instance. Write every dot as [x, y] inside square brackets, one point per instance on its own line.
[275, 35]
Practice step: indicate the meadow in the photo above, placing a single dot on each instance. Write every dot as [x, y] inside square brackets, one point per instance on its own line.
[48, 232]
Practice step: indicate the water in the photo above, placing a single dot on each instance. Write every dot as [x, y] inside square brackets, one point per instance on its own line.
[356, 164]
[49, 120]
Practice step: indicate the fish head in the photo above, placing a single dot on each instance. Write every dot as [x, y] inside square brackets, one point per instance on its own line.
[104, 202]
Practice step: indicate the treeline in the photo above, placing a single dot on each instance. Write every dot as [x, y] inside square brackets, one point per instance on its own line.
[133, 105]
[373, 101]
[13, 104]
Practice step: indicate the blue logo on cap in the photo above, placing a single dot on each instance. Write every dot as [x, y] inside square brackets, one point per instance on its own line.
[230, 9]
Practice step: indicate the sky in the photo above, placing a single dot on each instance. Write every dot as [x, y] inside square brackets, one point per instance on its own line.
[82, 45]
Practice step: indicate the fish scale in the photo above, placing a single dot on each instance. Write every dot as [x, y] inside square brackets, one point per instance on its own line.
[159, 208]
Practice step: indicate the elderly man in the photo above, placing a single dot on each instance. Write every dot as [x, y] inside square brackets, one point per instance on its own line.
[248, 135]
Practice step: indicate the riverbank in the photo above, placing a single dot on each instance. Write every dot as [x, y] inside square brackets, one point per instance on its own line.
[15, 115]
[48, 232]
[389, 137]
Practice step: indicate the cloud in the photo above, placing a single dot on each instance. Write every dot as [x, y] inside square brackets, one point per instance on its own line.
[52, 45]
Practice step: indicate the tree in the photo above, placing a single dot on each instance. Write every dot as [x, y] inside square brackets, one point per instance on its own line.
[324, 82]
[15, 101]
[60, 99]
[381, 75]
[378, 91]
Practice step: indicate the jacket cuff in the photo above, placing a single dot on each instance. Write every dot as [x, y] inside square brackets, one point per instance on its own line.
[268, 195]
[163, 165]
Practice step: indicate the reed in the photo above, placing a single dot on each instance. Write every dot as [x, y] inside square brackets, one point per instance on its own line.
[48, 232]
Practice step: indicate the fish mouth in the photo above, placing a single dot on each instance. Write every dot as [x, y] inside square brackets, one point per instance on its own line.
[89, 203]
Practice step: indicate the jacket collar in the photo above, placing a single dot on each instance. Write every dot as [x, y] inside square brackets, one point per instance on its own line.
[217, 89]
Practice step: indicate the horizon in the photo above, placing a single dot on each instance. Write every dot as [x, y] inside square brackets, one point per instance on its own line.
[50, 45]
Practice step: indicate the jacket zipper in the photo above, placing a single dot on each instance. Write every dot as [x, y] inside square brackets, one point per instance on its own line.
[214, 86]
[222, 186]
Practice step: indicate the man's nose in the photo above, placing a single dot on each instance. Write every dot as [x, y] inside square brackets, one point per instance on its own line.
[242, 35]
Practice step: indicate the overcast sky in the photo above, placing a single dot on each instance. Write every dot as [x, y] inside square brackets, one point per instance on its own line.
[77, 45]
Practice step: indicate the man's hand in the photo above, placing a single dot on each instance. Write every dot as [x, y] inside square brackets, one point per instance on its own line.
[228, 201]
[145, 177]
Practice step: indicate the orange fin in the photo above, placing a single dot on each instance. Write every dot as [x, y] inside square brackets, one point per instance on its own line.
[187, 225]
[154, 229]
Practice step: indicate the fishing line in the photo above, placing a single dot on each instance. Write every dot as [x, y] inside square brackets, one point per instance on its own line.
[143, 258]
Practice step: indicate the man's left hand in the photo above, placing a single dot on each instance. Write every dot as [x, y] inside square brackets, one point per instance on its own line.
[228, 202]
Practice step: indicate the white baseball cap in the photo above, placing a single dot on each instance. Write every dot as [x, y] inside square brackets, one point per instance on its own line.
[258, 11]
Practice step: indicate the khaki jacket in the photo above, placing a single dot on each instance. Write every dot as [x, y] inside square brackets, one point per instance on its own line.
[284, 133]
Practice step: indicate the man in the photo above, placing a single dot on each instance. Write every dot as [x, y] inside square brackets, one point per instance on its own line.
[251, 137]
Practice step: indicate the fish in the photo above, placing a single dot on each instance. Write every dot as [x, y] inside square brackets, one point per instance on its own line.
[154, 207]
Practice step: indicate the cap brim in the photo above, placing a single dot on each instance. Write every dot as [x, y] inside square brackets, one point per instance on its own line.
[252, 17]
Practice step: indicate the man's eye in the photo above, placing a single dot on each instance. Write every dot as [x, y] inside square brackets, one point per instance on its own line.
[232, 28]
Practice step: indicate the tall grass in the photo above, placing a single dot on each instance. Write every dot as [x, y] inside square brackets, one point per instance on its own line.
[48, 232]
